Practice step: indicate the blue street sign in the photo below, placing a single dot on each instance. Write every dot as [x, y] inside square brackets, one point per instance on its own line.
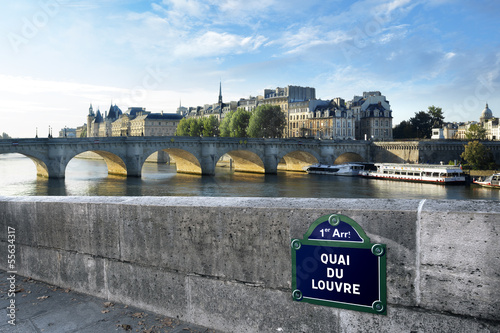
[336, 265]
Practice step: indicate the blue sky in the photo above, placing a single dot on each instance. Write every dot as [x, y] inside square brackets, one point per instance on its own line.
[58, 56]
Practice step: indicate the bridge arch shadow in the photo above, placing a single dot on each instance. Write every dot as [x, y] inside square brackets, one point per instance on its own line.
[185, 162]
[116, 165]
[349, 157]
[246, 161]
[41, 167]
[297, 161]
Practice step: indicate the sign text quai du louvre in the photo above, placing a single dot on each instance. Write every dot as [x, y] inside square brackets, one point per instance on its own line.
[336, 265]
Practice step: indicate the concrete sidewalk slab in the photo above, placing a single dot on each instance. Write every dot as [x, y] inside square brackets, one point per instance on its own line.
[40, 307]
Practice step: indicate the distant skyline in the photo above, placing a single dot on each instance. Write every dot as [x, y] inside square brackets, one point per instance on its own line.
[59, 56]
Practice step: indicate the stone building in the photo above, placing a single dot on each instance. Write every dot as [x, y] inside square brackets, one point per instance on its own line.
[135, 121]
[284, 97]
[364, 117]
[321, 120]
[458, 131]
[373, 116]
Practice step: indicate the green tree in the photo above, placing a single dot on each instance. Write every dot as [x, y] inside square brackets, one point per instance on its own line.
[195, 127]
[267, 121]
[189, 127]
[422, 124]
[476, 132]
[183, 127]
[239, 123]
[404, 130]
[5, 136]
[477, 156]
[210, 126]
[437, 116]
[224, 127]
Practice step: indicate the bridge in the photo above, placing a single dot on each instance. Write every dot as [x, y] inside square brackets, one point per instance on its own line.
[199, 155]
[196, 155]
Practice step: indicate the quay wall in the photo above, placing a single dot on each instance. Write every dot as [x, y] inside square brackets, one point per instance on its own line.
[225, 263]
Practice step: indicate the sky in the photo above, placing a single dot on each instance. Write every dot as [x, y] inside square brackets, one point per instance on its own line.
[58, 56]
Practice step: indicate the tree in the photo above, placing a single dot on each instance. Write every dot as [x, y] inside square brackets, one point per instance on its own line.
[437, 116]
[224, 127]
[182, 127]
[477, 156]
[404, 130]
[420, 126]
[239, 123]
[189, 127]
[475, 132]
[210, 126]
[5, 136]
[195, 127]
[422, 123]
[267, 121]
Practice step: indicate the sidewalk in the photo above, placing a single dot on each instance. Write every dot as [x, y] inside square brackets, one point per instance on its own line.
[40, 307]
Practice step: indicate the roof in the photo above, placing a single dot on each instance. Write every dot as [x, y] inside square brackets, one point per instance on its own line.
[164, 116]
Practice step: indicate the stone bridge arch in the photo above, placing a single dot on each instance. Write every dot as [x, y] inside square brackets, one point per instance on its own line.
[40, 162]
[185, 161]
[297, 160]
[349, 157]
[246, 161]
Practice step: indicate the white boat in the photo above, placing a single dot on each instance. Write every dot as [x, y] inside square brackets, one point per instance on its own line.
[347, 169]
[492, 181]
[425, 173]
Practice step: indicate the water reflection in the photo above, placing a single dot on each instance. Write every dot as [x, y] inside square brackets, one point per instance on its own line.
[89, 177]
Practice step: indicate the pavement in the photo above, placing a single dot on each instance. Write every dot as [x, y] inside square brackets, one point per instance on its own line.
[40, 307]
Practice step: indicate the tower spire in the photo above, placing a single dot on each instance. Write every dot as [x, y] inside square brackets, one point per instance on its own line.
[220, 93]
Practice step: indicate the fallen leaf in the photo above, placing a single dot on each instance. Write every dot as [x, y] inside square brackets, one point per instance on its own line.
[138, 315]
[108, 304]
[126, 327]
[42, 297]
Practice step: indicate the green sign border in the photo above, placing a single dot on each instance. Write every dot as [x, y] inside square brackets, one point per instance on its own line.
[379, 250]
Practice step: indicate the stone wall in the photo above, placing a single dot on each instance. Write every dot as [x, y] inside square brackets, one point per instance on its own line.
[225, 263]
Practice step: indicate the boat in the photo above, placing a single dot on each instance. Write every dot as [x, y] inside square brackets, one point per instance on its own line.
[492, 181]
[346, 169]
[424, 173]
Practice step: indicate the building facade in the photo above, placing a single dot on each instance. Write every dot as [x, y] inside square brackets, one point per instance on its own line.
[458, 130]
[135, 121]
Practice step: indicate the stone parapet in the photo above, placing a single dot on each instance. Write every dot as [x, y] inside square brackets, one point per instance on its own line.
[225, 263]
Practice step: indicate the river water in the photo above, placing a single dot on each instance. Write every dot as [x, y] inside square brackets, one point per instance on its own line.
[86, 177]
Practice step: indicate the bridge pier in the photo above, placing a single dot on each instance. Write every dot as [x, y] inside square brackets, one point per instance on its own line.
[327, 153]
[134, 160]
[56, 163]
[271, 158]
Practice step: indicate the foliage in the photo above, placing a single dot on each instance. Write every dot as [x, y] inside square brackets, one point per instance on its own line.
[267, 121]
[475, 132]
[224, 127]
[420, 126]
[437, 116]
[404, 130]
[239, 123]
[5, 136]
[235, 124]
[83, 134]
[189, 127]
[478, 157]
[210, 126]
[422, 123]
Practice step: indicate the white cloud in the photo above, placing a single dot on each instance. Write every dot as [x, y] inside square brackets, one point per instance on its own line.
[213, 43]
